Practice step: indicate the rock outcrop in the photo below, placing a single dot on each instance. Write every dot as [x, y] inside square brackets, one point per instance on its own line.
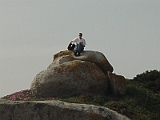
[69, 75]
[55, 110]
[66, 76]
[70, 78]
[91, 56]
[117, 84]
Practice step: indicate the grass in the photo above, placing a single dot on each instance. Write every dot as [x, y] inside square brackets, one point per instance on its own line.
[139, 103]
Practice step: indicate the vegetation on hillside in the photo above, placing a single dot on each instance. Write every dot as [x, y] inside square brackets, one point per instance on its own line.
[149, 80]
[141, 102]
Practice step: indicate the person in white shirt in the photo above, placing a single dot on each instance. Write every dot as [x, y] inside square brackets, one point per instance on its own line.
[80, 43]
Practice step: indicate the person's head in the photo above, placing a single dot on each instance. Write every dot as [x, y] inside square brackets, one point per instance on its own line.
[80, 35]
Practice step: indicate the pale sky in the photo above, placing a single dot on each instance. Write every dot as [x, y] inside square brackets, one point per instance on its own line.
[127, 32]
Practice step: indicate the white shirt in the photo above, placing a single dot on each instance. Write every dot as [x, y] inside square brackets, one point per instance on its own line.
[78, 41]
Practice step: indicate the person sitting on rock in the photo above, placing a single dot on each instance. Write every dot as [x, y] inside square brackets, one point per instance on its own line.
[80, 43]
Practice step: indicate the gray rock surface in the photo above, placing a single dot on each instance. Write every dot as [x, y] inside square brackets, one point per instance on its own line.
[117, 84]
[91, 56]
[55, 110]
[69, 75]
[70, 78]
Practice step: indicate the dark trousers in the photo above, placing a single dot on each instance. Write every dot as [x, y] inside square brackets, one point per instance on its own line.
[79, 48]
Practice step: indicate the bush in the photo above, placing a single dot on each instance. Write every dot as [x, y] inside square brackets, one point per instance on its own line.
[149, 80]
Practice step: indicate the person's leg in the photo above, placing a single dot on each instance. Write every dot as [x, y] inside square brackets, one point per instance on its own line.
[82, 48]
[77, 50]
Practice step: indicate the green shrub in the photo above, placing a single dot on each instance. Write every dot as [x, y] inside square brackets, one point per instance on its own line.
[150, 80]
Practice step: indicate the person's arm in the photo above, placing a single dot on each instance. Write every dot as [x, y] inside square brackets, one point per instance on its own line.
[84, 43]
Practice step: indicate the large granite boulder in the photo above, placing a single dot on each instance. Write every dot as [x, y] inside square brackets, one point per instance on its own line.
[55, 110]
[69, 75]
[91, 56]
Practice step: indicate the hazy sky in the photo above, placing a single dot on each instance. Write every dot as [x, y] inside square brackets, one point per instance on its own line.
[127, 32]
